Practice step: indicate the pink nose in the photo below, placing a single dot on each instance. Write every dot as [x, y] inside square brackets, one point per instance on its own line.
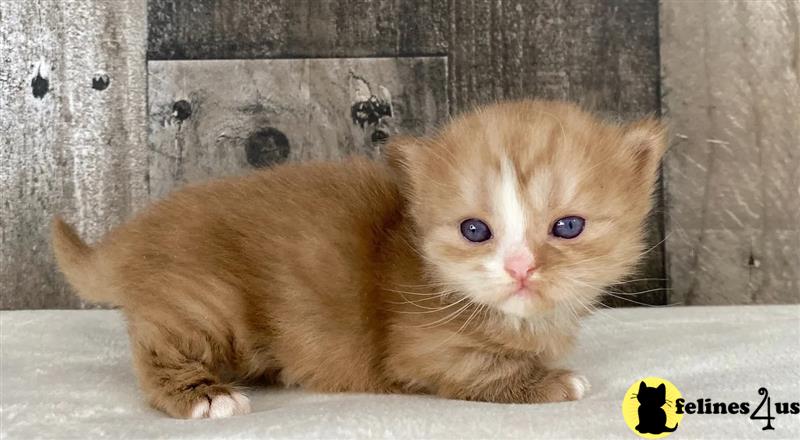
[520, 265]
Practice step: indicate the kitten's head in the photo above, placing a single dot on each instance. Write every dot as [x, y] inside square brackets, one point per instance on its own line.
[652, 396]
[530, 206]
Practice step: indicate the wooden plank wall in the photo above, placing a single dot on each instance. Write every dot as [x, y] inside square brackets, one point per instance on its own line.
[603, 54]
[246, 114]
[251, 29]
[731, 79]
[72, 122]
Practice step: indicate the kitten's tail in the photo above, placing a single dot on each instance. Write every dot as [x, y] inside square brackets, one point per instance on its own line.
[77, 262]
[670, 429]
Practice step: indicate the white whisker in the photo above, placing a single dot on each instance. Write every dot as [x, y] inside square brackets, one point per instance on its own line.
[434, 294]
[433, 310]
[446, 319]
[604, 291]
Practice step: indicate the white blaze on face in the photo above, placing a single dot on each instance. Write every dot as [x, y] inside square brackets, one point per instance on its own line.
[510, 215]
[510, 208]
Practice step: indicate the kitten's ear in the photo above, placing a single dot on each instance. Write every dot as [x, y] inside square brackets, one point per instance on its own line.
[400, 150]
[404, 156]
[646, 140]
[642, 387]
[662, 389]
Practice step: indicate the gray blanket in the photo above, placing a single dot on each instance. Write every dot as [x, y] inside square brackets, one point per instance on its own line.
[67, 374]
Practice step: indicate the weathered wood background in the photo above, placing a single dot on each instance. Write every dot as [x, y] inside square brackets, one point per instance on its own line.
[270, 111]
[74, 134]
[731, 81]
[215, 74]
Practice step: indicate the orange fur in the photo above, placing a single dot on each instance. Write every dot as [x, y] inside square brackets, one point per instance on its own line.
[353, 276]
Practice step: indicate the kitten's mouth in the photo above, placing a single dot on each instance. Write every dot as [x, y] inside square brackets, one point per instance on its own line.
[527, 290]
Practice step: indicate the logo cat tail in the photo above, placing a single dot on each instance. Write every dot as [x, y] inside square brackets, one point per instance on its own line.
[670, 429]
[77, 261]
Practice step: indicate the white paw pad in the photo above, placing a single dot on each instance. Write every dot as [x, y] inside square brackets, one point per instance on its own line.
[578, 384]
[221, 406]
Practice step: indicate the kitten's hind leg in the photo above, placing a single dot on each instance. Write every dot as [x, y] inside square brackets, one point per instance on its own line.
[179, 376]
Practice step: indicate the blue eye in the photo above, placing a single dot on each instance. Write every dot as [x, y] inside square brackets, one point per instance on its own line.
[475, 230]
[569, 227]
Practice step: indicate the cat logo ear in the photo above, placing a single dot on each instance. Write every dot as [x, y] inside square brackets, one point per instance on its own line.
[642, 386]
[662, 388]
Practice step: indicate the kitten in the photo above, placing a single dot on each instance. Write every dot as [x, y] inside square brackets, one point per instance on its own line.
[458, 268]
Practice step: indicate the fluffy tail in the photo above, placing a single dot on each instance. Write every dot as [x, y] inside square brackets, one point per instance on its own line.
[76, 261]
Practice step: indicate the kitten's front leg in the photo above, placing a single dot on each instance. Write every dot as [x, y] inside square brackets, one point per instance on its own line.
[534, 384]
[468, 368]
[556, 386]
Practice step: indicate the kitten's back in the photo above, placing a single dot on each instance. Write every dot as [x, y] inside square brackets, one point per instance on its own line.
[238, 227]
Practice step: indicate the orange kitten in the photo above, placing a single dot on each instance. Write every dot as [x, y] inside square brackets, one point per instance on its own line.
[459, 269]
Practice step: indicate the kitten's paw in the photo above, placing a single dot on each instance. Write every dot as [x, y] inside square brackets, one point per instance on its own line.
[563, 385]
[221, 406]
[578, 386]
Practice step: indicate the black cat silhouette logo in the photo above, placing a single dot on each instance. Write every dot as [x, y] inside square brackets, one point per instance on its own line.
[649, 408]
[652, 419]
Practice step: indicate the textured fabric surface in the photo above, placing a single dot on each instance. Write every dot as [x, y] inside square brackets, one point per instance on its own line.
[67, 374]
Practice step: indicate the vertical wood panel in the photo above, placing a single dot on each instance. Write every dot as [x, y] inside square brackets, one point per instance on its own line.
[601, 54]
[731, 75]
[71, 143]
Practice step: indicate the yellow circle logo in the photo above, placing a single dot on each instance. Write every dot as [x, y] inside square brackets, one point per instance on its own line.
[649, 408]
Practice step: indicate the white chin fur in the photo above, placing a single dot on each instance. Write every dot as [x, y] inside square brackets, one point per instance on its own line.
[517, 306]
[522, 313]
